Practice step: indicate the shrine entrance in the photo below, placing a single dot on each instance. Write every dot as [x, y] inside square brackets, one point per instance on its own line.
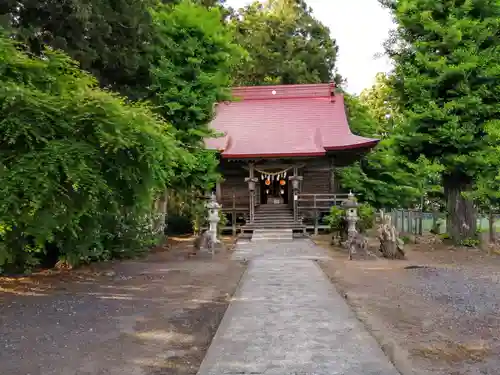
[274, 189]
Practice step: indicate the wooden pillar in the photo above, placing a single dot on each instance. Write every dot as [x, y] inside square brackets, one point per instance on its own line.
[295, 193]
[218, 192]
[252, 182]
[295, 180]
[252, 193]
[332, 176]
[315, 216]
[233, 214]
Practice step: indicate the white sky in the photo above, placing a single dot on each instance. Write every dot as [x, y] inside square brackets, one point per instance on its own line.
[359, 27]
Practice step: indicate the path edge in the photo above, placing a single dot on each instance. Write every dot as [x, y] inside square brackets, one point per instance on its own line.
[398, 356]
[204, 365]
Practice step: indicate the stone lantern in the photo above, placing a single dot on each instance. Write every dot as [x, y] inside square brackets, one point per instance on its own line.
[351, 214]
[213, 219]
[251, 183]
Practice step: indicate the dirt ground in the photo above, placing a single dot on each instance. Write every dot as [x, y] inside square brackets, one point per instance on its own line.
[438, 312]
[154, 316]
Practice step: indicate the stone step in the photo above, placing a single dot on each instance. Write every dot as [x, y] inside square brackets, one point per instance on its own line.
[284, 214]
[274, 231]
[282, 223]
[284, 209]
[287, 213]
[271, 206]
[273, 217]
[273, 210]
[272, 234]
[274, 225]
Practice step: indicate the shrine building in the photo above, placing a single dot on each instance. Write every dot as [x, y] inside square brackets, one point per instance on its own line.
[278, 154]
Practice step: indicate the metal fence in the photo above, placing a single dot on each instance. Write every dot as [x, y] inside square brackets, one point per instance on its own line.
[416, 222]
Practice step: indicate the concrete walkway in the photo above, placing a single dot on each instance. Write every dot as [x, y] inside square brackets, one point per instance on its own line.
[288, 319]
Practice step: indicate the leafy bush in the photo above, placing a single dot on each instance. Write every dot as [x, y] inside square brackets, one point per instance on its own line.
[367, 217]
[336, 218]
[79, 167]
[179, 224]
[469, 242]
[406, 239]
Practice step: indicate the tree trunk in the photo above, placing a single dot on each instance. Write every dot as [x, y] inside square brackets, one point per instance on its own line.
[461, 220]
[491, 226]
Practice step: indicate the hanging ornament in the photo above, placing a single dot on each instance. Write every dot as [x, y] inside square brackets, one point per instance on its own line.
[284, 174]
[267, 191]
[261, 176]
[282, 182]
[268, 182]
[282, 192]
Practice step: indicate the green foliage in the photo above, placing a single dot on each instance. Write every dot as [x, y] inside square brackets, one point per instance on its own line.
[406, 239]
[285, 44]
[179, 224]
[223, 221]
[469, 242]
[109, 39]
[446, 71]
[335, 219]
[79, 167]
[384, 178]
[337, 223]
[193, 57]
[367, 217]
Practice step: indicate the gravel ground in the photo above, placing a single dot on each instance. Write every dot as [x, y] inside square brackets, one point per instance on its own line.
[150, 317]
[445, 316]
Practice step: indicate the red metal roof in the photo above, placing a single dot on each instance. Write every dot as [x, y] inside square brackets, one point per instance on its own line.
[282, 121]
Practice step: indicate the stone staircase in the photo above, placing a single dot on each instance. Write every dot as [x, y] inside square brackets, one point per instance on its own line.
[273, 221]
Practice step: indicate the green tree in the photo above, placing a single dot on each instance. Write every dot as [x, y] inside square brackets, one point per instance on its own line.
[285, 44]
[384, 178]
[447, 67]
[80, 169]
[382, 105]
[109, 39]
[192, 59]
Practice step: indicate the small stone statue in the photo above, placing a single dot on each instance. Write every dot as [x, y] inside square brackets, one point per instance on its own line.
[391, 246]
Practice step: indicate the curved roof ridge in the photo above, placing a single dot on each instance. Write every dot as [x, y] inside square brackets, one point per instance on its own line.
[316, 90]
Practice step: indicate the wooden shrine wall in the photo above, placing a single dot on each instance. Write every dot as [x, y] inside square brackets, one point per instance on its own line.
[234, 175]
[317, 173]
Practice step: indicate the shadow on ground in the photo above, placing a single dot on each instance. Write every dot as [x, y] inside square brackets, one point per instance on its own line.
[153, 316]
[441, 305]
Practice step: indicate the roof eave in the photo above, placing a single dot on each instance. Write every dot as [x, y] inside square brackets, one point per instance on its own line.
[368, 144]
[278, 155]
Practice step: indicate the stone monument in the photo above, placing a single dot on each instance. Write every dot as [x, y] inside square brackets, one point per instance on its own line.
[391, 246]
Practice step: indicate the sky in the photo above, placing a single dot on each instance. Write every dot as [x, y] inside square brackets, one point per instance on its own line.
[360, 27]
